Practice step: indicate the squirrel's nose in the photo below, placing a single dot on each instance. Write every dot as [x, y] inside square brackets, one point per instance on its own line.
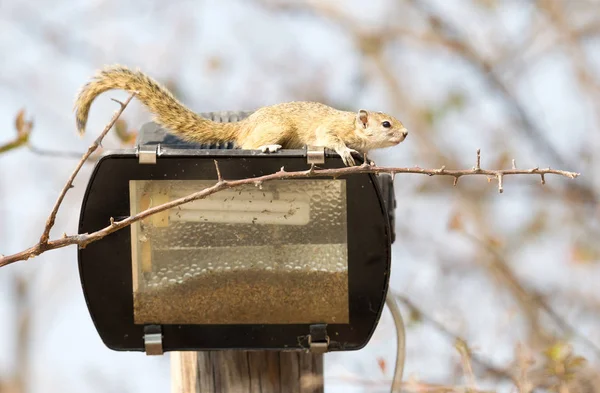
[404, 133]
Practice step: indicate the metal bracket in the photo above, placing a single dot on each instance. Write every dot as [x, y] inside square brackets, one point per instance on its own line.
[147, 153]
[318, 340]
[153, 340]
[315, 155]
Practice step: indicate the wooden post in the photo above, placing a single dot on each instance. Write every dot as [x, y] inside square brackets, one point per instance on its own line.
[246, 372]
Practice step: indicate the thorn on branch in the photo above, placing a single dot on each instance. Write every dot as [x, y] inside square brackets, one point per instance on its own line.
[312, 169]
[64, 235]
[112, 221]
[478, 162]
[118, 102]
[219, 177]
[543, 179]
[500, 181]
[282, 170]
[455, 181]
[514, 164]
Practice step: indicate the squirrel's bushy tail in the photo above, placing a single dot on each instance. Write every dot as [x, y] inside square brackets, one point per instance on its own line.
[167, 110]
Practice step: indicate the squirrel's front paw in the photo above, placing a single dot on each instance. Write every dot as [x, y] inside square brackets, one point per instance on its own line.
[270, 148]
[346, 155]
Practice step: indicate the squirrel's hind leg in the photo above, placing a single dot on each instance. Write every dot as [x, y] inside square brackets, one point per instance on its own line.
[266, 137]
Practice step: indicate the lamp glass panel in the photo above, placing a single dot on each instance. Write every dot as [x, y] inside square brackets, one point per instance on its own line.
[270, 254]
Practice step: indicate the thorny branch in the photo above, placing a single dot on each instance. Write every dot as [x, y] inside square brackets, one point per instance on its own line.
[83, 240]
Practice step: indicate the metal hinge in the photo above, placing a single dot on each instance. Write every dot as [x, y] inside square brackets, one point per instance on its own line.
[318, 340]
[153, 340]
[147, 153]
[315, 154]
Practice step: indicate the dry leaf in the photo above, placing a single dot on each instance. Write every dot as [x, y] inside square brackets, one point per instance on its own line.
[20, 121]
[537, 224]
[23, 126]
[489, 4]
[557, 352]
[214, 63]
[462, 347]
[494, 242]
[382, 364]
[124, 135]
[455, 222]
[415, 315]
[583, 253]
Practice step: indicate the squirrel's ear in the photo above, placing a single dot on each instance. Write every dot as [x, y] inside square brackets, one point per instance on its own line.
[363, 117]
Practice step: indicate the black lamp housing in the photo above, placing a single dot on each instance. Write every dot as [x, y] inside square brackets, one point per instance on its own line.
[105, 266]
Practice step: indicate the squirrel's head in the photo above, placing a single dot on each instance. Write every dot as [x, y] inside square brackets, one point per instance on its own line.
[378, 129]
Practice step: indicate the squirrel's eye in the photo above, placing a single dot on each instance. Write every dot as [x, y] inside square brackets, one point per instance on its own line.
[386, 124]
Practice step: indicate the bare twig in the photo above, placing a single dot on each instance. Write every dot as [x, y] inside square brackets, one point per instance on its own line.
[465, 355]
[409, 386]
[23, 332]
[83, 240]
[51, 219]
[525, 361]
[530, 299]
[20, 140]
[478, 360]
[442, 32]
[453, 39]
[57, 153]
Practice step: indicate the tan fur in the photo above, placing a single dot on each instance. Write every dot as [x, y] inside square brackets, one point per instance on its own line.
[291, 125]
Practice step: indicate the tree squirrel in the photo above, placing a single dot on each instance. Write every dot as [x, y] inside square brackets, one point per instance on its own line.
[290, 125]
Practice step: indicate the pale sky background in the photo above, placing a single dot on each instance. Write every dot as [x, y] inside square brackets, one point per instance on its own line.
[49, 49]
